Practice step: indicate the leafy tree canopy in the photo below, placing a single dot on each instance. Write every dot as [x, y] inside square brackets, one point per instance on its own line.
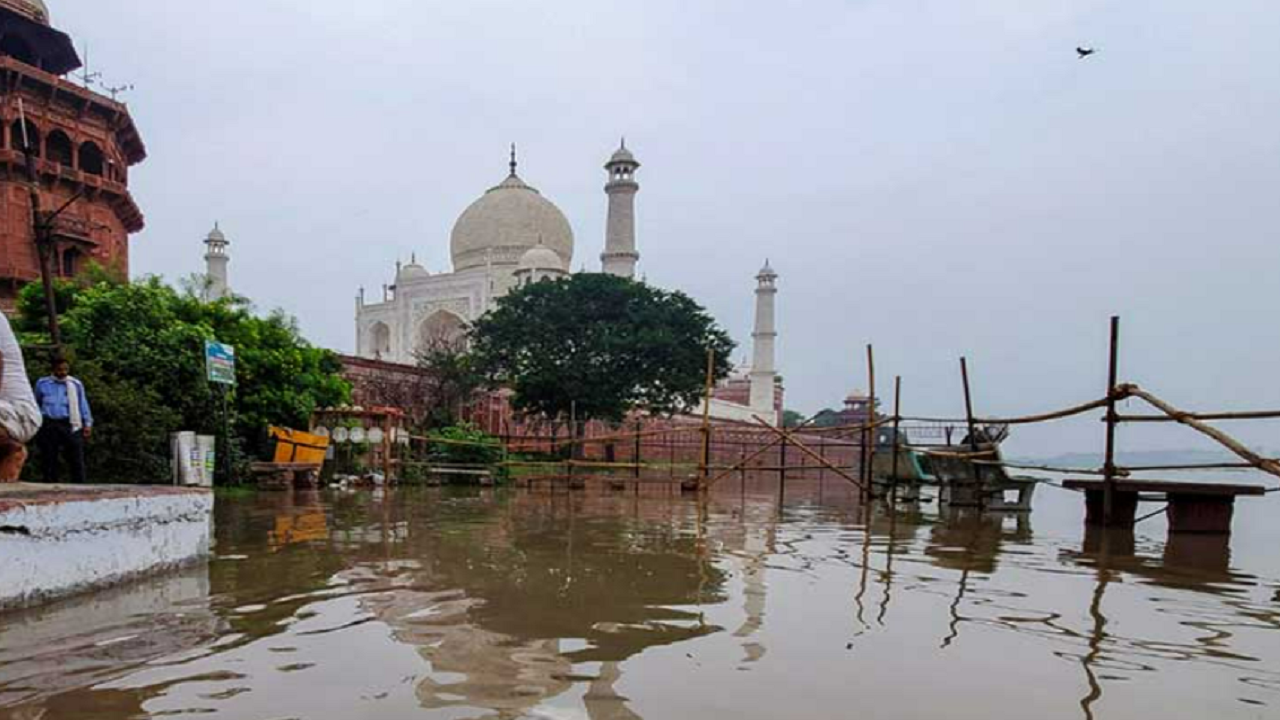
[826, 418]
[792, 418]
[608, 344]
[140, 350]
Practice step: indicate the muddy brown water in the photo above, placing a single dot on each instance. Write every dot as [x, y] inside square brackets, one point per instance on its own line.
[443, 603]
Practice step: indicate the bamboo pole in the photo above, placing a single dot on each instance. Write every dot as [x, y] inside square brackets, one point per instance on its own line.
[925, 450]
[706, 418]
[1193, 466]
[1024, 420]
[573, 432]
[871, 435]
[1254, 415]
[1109, 465]
[638, 451]
[973, 431]
[1257, 461]
[897, 440]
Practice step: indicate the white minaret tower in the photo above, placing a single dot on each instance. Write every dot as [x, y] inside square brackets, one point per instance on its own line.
[764, 372]
[216, 260]
[620, 256]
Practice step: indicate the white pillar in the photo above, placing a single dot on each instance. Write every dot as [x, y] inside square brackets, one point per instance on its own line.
[764, 371]
[620, 256]
[216, 259]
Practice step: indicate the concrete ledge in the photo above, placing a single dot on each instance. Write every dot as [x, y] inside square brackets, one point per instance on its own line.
[60, 540]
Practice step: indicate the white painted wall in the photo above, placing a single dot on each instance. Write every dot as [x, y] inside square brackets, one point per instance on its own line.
[54, 548]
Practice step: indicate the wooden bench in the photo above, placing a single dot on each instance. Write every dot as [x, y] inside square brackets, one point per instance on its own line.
[1193, 507]
[482, 477]
[286, 475]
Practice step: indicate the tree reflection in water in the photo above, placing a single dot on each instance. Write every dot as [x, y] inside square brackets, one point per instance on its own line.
[494, 595]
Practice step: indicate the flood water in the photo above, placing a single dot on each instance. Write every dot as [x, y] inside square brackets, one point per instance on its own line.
[468, 603]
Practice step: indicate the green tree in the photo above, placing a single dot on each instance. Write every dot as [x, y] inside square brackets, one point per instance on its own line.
[826, 418]
[791, 419]
[451, 380]
[140, 350]
[601, 344]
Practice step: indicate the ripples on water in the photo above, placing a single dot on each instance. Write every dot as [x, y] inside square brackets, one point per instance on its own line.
[596, 606]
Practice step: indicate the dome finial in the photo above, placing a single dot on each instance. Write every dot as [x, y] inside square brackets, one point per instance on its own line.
[514, 164]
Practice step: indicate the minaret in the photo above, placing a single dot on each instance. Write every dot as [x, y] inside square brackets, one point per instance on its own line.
[620, 256]
[763, 371]
[216, 260]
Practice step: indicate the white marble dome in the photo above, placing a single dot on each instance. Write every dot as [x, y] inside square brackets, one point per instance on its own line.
[412, 271]
[34, 9]
[541, 257]
[507, 221]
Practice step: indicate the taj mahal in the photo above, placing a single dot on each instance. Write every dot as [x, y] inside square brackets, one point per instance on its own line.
[513, 235]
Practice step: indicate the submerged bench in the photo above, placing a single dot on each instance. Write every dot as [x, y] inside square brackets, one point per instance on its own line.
[286, 475]
[1193, 507]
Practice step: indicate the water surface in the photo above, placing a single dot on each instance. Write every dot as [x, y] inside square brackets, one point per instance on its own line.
[430, 603]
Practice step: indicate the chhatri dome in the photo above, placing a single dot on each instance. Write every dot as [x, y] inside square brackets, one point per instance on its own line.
[539, 263]
[541, 257]
[33, 9]
[412, 271]
[505, 222]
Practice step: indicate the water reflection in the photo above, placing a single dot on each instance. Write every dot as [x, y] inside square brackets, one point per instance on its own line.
[505, 604]
[49, 654]
[536, 604]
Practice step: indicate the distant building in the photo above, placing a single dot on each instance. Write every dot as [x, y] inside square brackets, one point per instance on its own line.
[84, 144]
[513, 235]
[217, 282]
[856, 411]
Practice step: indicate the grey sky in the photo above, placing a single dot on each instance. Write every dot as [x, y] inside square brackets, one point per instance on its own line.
[936, 177]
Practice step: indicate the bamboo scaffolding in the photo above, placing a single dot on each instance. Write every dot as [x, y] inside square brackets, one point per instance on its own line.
[741, 464]
[805, 449]
[1265, 465]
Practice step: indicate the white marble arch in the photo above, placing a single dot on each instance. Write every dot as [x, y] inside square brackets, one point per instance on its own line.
[442, 326]
[378, 340]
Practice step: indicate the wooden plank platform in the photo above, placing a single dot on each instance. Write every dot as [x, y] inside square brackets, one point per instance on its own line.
[1193, 507]
[1169, 487]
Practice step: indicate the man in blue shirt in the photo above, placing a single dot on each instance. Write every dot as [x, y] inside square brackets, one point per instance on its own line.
[68, 422]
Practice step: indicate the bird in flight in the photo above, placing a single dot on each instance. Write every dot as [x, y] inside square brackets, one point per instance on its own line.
[1085, 52]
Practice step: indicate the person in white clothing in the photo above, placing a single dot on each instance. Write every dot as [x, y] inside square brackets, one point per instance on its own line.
[19, 414]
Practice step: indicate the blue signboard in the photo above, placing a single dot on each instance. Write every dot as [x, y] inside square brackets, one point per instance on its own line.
[221, 362]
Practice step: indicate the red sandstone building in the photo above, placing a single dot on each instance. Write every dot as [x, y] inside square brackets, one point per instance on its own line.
[84, 143]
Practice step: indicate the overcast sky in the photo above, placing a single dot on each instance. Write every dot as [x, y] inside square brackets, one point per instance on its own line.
[938, 177]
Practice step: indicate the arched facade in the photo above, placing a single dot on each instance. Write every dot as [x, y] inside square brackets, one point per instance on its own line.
[91, 158]
[441, 328]
[59, 149]
[379, 340]
[32, 135]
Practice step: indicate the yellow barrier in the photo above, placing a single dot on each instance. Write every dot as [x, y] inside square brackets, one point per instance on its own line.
[295, 446]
